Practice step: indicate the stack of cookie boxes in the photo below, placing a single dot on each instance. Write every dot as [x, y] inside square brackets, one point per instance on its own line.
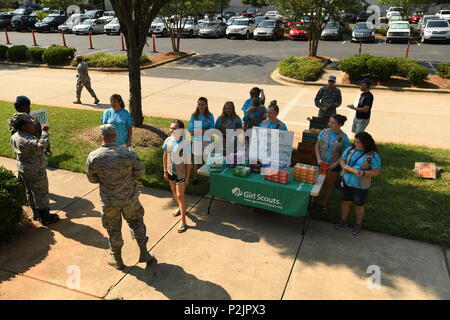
[305, 173]
[277, 175]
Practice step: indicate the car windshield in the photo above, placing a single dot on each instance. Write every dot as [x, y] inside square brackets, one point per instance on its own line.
[331, 26]
[240, 22]
[400, 26]
[115, 21]
[251, 10]
[211, 25]
[267, 24]
[19, 11]
[437, 24]
[362, 26]
[445, 12]
[158, 20]
[432, 18]
[48, 19]
[187, 21]
[88, 22]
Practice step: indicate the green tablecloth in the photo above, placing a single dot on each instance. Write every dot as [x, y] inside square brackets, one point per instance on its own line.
[291, 199]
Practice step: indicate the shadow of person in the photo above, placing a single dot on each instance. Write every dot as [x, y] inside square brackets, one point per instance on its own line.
[176, 284]
[223, 230]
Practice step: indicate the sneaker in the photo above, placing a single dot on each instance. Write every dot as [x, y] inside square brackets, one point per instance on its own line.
[357, 229]
[96, 101]
[77, 102]
[341, 224]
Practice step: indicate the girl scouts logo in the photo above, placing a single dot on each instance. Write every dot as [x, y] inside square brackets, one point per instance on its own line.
[237, 192]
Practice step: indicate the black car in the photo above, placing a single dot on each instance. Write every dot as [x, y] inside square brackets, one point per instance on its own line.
[50, 23]
[22, 11]
[20, 23]
[364, 16]
[5, 21]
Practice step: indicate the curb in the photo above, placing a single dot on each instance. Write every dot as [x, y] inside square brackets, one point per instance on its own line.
[32, 65]
[276, 76]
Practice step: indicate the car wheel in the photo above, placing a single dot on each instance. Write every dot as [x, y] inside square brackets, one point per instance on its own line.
[191, 34]
[228, 37]
[91, 31]
[247, 35]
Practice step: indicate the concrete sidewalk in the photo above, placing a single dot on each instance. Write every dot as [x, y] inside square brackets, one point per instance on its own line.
[404, 117]
[234, 253]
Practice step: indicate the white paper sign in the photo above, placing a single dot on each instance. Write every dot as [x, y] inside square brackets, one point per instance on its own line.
[267, 145]
[40, 115]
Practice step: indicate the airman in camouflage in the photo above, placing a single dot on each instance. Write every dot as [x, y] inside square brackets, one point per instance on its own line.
[328, 99]
[83, 80]
[116, 168]
[32, 165]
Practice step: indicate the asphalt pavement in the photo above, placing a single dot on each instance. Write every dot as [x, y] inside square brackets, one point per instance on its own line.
[243, 61]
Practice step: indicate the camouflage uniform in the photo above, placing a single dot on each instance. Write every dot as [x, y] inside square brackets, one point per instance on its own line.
[37, 132]
[32, 166]
[328, 95]
[83, 80]
[116, 169]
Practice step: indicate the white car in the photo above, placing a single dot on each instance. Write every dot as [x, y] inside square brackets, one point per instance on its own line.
[444, 14]
[241, 28]
[399, 31]
[158, 27]
[90, 25]
[73, 20]
[273, 15]
[108, 15]
[392, 9]
[191, 27]
[438, 30]
[424, 19]
[113, 27]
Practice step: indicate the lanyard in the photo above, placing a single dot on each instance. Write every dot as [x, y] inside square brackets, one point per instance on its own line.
[354, 162]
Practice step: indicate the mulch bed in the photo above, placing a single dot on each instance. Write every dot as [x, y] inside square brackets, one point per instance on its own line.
[433, 82]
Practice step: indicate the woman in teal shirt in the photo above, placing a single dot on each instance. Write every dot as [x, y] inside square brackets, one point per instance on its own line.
[206, 120]
[272, 121]
[360, 162]
[121, 119]
[229, 120]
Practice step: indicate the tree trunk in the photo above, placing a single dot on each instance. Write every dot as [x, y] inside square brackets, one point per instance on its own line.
[134, 68]
[313, 44]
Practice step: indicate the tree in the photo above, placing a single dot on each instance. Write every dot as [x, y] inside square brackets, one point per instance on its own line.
[6, 4]
[135, 18]
[408, 6]
[316, 13]
[60, 4]
[256, 3]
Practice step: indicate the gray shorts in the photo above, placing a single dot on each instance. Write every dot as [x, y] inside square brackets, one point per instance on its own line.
[360, 125]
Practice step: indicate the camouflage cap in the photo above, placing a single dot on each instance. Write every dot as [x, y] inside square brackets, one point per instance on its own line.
[18, 117]
[107, 130]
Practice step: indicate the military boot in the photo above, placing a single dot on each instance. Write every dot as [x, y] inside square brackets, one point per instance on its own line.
[96, 101]
[47, 217]
[144, 255]
[115, 260]
[78, 101]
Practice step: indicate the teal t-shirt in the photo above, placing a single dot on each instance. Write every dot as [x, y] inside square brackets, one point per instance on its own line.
[333, 135]
[255, 117]
[356, 161]
[121, 121]
[176, 144]
[273, 125]
[229, 123]
[207, 123]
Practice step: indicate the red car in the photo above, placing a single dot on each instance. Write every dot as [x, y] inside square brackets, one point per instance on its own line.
[298, 31]
[415, 16]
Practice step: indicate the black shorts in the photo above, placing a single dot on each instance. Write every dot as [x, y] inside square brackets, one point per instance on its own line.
[357, 196]
[173, 177]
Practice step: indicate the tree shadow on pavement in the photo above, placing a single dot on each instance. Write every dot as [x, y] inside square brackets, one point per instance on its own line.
[176, 284]
[225, 60]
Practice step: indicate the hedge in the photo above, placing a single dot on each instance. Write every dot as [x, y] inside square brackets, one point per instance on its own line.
[107, 60]
[17, 53]
[356, 66]
[12, 198]
[35, 54]
[304, 69]
[3, 50]
[417, 74]
[382, 31]
[381, 68]
[58, 55]
[444, 69]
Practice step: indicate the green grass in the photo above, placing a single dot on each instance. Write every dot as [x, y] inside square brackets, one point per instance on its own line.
[399, 203]
[70, 151]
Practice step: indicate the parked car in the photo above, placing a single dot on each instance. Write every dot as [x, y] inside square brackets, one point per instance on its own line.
[444, 14]
[22, 22]
[415, 16]
[22, 11]
[93, 14]
[424, 19]
[395, 18]
[108, 15]
[50, 23]
[436, 30]
[241, 28]
[259, 19]
[213, 30]
[332, 31]
[392, 9]
[5, 21]
[191, 27]
[269, 29]
[71, 22]
[299, 31]
[113, 27]
[363, 31]
[229, 14]
[90, 25]
[158, 27]
[273, 15]
[56, 13]
[399, 31]
[250, 12]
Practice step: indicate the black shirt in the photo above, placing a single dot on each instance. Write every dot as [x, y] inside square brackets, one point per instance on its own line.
[366, 100]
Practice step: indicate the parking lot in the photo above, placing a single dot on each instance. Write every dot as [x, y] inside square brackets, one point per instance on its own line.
[235, 60]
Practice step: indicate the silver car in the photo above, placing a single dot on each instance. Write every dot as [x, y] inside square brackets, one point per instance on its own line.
[113, 27]
[213, 30]
[90, 25]
[436, 30]
[332, 31]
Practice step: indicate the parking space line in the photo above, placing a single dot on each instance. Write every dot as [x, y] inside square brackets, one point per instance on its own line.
[291, 104]
[220, 65]
[432, 67]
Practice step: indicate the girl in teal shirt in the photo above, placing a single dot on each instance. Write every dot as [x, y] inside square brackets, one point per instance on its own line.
[121, 119]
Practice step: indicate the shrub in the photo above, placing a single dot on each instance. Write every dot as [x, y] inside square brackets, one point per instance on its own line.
[58, 55]
[107, 60]
[403, 65]
[417, 74]
[355, 66]
[444, 69]
[382, 31]
[304, 69]
[17, 53]
[35, 54]
[381, 68]
[3, 50]
[12, 198]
